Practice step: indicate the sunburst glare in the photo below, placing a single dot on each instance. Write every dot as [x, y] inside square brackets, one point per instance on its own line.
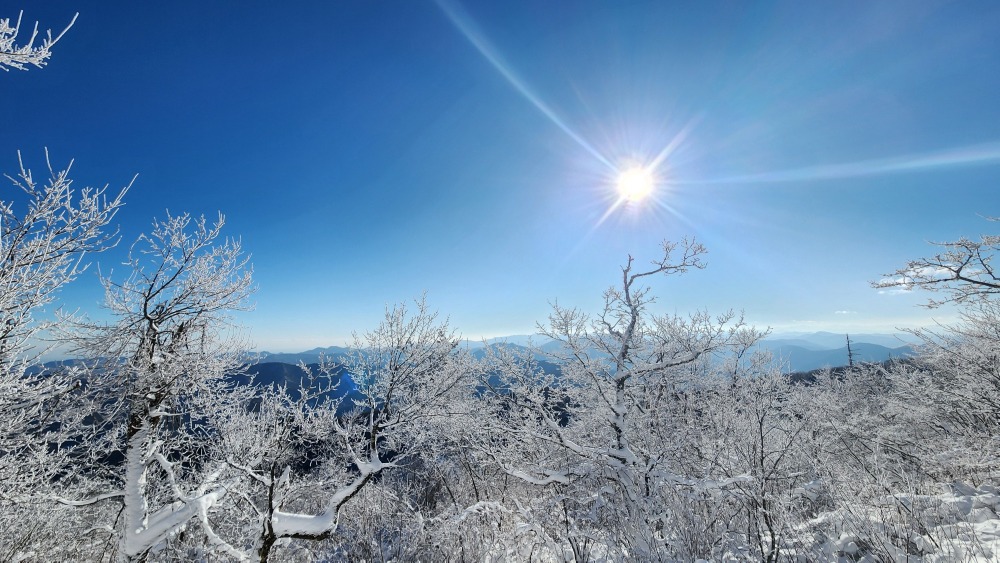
[635, 184]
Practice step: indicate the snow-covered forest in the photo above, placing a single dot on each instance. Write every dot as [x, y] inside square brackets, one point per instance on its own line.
[660, 437]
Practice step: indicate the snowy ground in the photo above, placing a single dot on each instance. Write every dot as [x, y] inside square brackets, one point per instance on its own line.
[960, 524]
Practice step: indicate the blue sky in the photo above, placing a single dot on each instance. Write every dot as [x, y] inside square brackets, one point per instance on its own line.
[366, 152]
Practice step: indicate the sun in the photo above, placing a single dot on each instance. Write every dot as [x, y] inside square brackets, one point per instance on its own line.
[635, 184]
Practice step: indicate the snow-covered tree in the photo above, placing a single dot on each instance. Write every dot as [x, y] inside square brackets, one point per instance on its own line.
[376, 411]
[964, 358]
[46, 232]
[27, 54]
[164, 358]
[605, 435]
[888, 440]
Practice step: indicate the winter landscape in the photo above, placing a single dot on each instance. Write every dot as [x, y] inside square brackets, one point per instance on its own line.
[431, 281]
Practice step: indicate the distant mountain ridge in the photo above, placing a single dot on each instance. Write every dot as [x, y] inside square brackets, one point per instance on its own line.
[823, 340]
[795, 358]
[807, 351]
[796, 351]
[334, 353]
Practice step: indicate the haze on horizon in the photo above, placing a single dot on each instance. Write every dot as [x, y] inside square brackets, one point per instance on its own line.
[367, 152]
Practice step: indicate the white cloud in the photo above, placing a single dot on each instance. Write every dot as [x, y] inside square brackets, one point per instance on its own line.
[895, 291]
[932, 272]
[896, 286]
[845, 312]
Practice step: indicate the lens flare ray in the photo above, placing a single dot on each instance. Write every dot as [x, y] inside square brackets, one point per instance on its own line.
[672, 146]
[983, 154]
[467, 27]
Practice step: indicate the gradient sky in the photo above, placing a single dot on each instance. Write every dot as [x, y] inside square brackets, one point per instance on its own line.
[368, 151]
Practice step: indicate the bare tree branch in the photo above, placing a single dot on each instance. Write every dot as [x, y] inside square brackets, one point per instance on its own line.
[963, 271]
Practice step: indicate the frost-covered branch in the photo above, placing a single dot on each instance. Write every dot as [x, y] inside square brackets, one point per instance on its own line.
[164, 360]
[89, 501]
[47, 230]
[964, 271]
[27, 54]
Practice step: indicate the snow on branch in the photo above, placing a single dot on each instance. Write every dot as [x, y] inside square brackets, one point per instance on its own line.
[963, 270]
[28, 54]
[90, 501]
[481, 508]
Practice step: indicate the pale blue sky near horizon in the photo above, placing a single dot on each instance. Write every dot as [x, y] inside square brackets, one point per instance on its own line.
[368, 151]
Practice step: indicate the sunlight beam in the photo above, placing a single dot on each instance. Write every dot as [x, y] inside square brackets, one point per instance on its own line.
[973, 155]
[464, 23]
[672, 145]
